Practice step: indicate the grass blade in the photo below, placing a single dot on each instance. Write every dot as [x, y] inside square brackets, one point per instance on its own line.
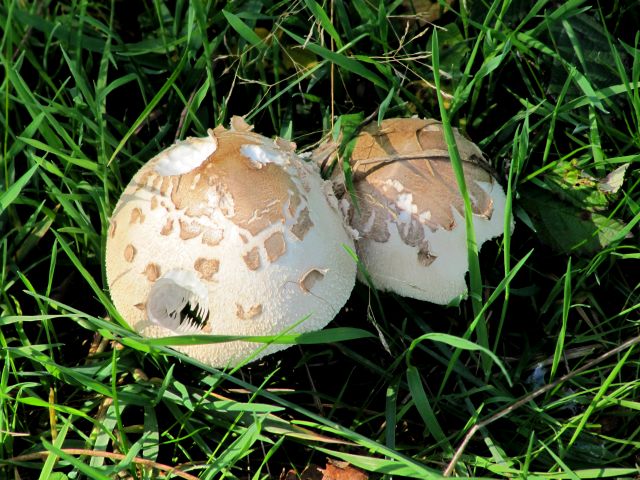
[10, 195]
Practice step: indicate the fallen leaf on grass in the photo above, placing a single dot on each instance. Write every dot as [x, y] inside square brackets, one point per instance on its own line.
[568, 208]
[572, 184]
[334, 470]
[423, 11]
[567, 228]
[612, 182]
[337, 470]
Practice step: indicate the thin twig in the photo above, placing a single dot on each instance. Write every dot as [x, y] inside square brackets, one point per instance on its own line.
[527, 398]
[185, 110]
[114, 456]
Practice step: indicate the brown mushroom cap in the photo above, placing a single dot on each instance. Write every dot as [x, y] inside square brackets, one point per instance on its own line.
[229, 234]
[410, 215]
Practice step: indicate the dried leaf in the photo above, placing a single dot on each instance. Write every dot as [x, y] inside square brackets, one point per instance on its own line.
[612, 182]
[423, 11]
[566, 227]
[312, 472]
[571, 183]
[337, 470]
[289, 475]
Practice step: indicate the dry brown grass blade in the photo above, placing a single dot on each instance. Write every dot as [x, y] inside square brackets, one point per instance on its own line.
[113, 456]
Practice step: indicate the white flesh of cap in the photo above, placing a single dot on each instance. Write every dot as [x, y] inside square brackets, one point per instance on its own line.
[185, 155]
[262, 155]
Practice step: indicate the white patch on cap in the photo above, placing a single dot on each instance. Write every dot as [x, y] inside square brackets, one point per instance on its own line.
[261, 155]
[355, 234]
[406, 207]
[424, 217]
[186, 155]
[393, 183]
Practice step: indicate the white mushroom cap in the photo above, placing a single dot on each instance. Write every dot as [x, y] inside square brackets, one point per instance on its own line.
[410, 215]
[230, 234]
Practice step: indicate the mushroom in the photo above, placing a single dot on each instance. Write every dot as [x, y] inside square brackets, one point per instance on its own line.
[229, 234]
[409, 214]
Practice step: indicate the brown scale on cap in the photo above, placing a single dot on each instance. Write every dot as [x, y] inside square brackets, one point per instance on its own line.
[256, 195]
[372, 220]
[141, 179]
[249, 314]
[136, 216]
[303, 225]
[275, 246]
[252, 258]
[206, 267]
[294, 202]
[425, 257]
[152, 271]
[189, 230]
[129, 253]
[112, 228]
[212, 236]
[167, 228]
[414, 154]
[166, 183]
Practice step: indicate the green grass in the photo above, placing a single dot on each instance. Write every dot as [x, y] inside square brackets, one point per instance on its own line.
[535, 376]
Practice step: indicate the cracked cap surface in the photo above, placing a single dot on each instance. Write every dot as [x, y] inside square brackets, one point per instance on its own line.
[212, 236]
[410, 215]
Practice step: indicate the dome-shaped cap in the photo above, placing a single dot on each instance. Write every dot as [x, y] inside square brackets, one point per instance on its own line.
[230, 234]
[410, 215]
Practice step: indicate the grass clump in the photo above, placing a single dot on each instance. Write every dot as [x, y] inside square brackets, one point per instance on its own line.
[536, 377]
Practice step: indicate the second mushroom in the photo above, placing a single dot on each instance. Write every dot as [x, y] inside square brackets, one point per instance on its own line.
[408, 213]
